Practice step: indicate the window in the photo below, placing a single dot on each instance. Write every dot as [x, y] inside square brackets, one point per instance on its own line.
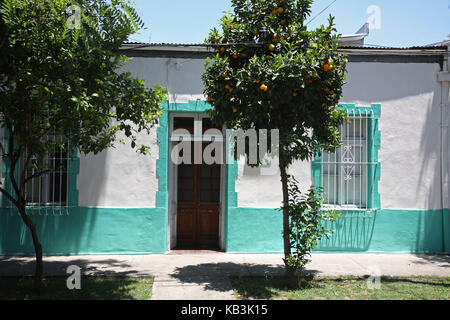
[54, 191]
[344, 172]
[51, 188]
[349, 176]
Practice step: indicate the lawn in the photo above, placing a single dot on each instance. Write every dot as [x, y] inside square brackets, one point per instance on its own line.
[343, 288]
[92, 288]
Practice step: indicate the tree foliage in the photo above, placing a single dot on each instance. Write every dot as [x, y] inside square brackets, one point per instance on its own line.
[271, 72]
[66, 81]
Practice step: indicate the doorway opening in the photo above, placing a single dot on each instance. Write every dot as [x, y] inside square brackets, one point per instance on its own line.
[196, 185]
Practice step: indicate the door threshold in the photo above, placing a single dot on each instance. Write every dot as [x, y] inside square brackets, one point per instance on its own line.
[177, 251]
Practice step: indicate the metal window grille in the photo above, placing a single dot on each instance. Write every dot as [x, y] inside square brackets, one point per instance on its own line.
[48, 193]
[345, 173]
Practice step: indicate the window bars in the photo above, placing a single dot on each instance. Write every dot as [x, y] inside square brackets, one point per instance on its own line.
[348, 174]
[47, 193]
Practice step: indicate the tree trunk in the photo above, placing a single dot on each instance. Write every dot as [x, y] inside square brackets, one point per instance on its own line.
[38, 274]
[290, 272]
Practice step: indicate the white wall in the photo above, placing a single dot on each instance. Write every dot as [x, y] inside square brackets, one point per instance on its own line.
[410, 128]
[409, 151]
[119, 177]
[409, 124]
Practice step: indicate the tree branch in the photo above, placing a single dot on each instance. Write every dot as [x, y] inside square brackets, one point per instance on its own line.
[10, 197]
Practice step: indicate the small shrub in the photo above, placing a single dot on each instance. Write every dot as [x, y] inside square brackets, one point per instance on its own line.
[306, 224]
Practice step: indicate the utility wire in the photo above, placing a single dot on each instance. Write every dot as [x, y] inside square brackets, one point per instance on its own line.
[320, 12]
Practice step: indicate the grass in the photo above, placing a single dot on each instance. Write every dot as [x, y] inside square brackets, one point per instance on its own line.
[92, 288]
[343, 288]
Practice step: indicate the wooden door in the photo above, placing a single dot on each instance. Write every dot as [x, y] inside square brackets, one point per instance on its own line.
[198, 206]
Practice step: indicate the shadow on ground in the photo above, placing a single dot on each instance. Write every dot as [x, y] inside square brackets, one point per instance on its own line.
[215, 276]
[19, 266]
[92, 288]
[103, 279]
[441, 260]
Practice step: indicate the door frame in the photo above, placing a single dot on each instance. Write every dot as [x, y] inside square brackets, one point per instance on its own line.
[173, 183]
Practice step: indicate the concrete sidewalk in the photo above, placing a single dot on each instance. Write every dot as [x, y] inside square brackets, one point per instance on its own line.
[206, 276]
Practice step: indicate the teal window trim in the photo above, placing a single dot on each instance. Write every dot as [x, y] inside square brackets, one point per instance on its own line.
[72, 174]
[373, 145]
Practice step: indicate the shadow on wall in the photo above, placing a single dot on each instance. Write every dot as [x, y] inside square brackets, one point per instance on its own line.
[62, 230]
[432, 227]
[353, 232]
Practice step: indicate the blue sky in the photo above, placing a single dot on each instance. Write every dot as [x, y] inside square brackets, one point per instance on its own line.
[401, 23]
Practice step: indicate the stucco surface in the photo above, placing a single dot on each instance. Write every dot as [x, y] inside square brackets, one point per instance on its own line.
[409, 153]
[120, 177]
[410, 126]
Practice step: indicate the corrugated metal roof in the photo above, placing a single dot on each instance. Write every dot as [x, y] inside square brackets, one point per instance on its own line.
[439, 45]
[367, 49]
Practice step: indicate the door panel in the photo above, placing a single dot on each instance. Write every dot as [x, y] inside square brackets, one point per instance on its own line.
[198, 206]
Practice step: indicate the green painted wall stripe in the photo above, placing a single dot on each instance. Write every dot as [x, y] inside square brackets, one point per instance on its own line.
[87, 231]
[254, 230]
[249, 230]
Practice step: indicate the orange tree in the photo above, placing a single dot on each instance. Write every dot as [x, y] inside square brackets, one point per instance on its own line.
[270, 72]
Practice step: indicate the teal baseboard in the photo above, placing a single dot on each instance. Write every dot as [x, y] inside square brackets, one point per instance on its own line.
[88, 231]
[248, 230]
[386, 231]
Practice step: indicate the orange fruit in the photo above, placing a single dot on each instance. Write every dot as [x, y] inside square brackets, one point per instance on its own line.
[294, 94]
[280, 10]
[222, 49]
[271, 47]
[255, 33]
[310, 81]
[235, 56]
[270, 107]
[263, 87]
[234, 110]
